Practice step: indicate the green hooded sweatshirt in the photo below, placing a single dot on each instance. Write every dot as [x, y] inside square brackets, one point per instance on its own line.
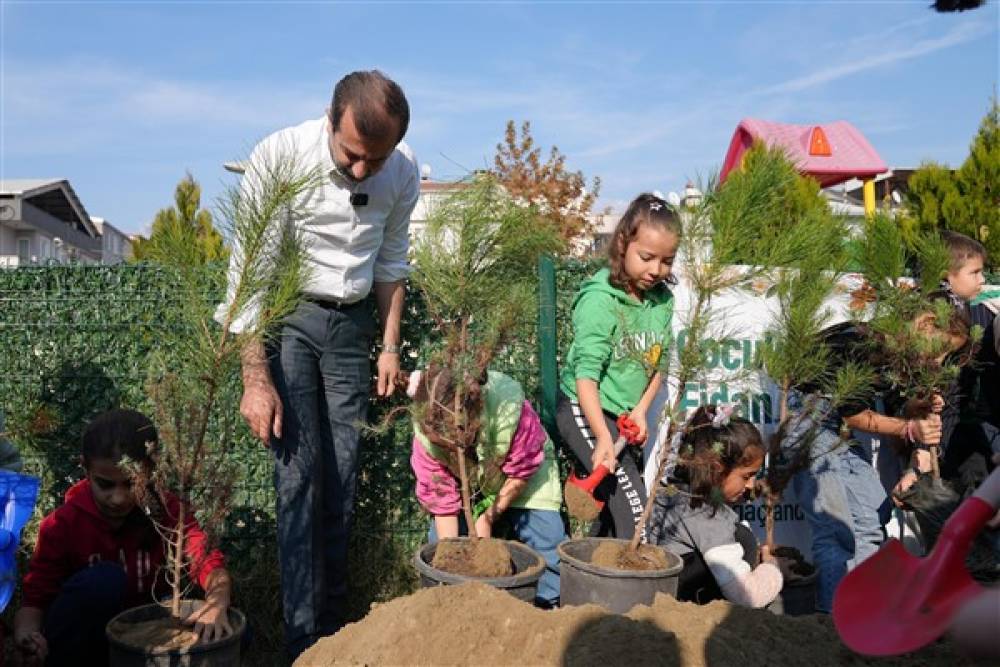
[617, 341]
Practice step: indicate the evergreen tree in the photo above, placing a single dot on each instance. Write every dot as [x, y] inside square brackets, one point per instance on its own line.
[188, 223]
[966, 200]
[476, 268]
[767, 218]
[197, 360]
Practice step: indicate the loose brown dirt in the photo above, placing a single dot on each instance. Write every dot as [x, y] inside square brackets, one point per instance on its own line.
[580, 504]
[473, 558]
[474, 624]
[618, 556]
[162, 634]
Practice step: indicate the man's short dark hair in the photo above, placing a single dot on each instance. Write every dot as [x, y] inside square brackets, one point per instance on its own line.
[378, 102]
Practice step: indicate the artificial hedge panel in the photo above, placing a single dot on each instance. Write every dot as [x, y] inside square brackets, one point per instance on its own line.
[74, 341]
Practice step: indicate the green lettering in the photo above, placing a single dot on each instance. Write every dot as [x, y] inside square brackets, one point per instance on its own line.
[710, 349]
[730, 345]
[687, 402]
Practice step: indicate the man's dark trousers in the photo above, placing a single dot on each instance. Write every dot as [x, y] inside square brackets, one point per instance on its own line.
[322, 372]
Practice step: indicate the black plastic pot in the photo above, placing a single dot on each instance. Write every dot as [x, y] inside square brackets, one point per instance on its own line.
[528, 567]
[581, 582]
[224, 652]
[797, 597]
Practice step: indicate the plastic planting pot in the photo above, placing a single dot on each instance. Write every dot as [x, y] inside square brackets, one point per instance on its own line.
[581, 582]
[224, 652]
[528, 566]
[797, 597]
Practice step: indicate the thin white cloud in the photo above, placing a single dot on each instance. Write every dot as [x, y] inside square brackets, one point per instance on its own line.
[120, 97]
[959, 34]
[702, 114]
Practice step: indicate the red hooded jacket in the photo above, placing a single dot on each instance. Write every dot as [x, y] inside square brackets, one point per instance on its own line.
[76, 535]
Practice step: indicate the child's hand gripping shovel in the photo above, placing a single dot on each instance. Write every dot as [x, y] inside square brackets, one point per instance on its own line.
[894, 602]
[579, 493]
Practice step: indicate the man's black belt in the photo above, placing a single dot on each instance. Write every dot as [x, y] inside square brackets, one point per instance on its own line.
[334, 304]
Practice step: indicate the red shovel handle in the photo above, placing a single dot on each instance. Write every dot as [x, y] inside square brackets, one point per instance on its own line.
[628, 429]
[590, 482]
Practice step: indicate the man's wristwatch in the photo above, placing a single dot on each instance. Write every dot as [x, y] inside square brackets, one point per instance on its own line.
[390, 348]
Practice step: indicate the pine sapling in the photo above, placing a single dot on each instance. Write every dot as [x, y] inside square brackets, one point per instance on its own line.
[199, 358]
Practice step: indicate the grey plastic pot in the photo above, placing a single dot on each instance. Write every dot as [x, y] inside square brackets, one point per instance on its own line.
[224, 652]
[581, 582]
[522, 584]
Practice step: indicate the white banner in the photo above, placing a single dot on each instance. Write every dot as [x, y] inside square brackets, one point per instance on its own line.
[739, 320]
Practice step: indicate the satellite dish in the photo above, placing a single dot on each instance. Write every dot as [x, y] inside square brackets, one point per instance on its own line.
[674, 199]
[896, 197]
[657, 194]
[18, 494]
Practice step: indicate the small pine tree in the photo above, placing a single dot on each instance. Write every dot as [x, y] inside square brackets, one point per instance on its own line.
[476, 265]
[734, 224]
[199, 359]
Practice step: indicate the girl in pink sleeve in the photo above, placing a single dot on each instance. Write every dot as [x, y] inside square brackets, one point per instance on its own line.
[515, 477]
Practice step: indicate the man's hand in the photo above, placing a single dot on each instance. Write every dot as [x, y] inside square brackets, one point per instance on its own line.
[261, 407]
[388, 373]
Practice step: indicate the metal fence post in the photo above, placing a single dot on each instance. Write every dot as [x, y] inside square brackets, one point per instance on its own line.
[548, 378]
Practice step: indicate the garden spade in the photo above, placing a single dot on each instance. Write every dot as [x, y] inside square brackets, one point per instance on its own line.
[894, 602]
[628, 431]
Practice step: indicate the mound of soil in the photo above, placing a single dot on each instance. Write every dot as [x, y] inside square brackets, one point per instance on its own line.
[473, 558]
[792, 564]
[580, 504]
[162, 634]
[474, 624]
[618, 556]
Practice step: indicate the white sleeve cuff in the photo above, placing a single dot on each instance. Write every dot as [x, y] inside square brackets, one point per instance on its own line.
[754, 589]
[726, 563]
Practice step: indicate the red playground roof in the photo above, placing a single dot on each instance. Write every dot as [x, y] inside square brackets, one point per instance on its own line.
[831, 153]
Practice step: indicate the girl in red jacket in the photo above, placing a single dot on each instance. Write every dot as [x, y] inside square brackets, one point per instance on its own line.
[99, 554]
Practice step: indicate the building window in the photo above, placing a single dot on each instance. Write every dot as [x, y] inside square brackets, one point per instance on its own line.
[23, 251]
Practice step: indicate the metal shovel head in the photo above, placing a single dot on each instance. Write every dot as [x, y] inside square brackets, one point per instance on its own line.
[894, 602]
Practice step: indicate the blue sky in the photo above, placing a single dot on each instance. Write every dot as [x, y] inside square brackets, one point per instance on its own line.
[122, 97]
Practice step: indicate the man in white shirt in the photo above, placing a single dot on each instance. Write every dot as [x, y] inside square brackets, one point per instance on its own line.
[306, 397]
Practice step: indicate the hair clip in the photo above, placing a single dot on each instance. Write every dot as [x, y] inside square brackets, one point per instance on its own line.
[723, 413]
[655, 206]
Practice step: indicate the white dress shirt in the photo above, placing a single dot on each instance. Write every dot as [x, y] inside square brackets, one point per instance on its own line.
[349, 247]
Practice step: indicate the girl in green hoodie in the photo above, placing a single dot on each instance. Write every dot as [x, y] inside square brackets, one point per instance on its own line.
[621, 326]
